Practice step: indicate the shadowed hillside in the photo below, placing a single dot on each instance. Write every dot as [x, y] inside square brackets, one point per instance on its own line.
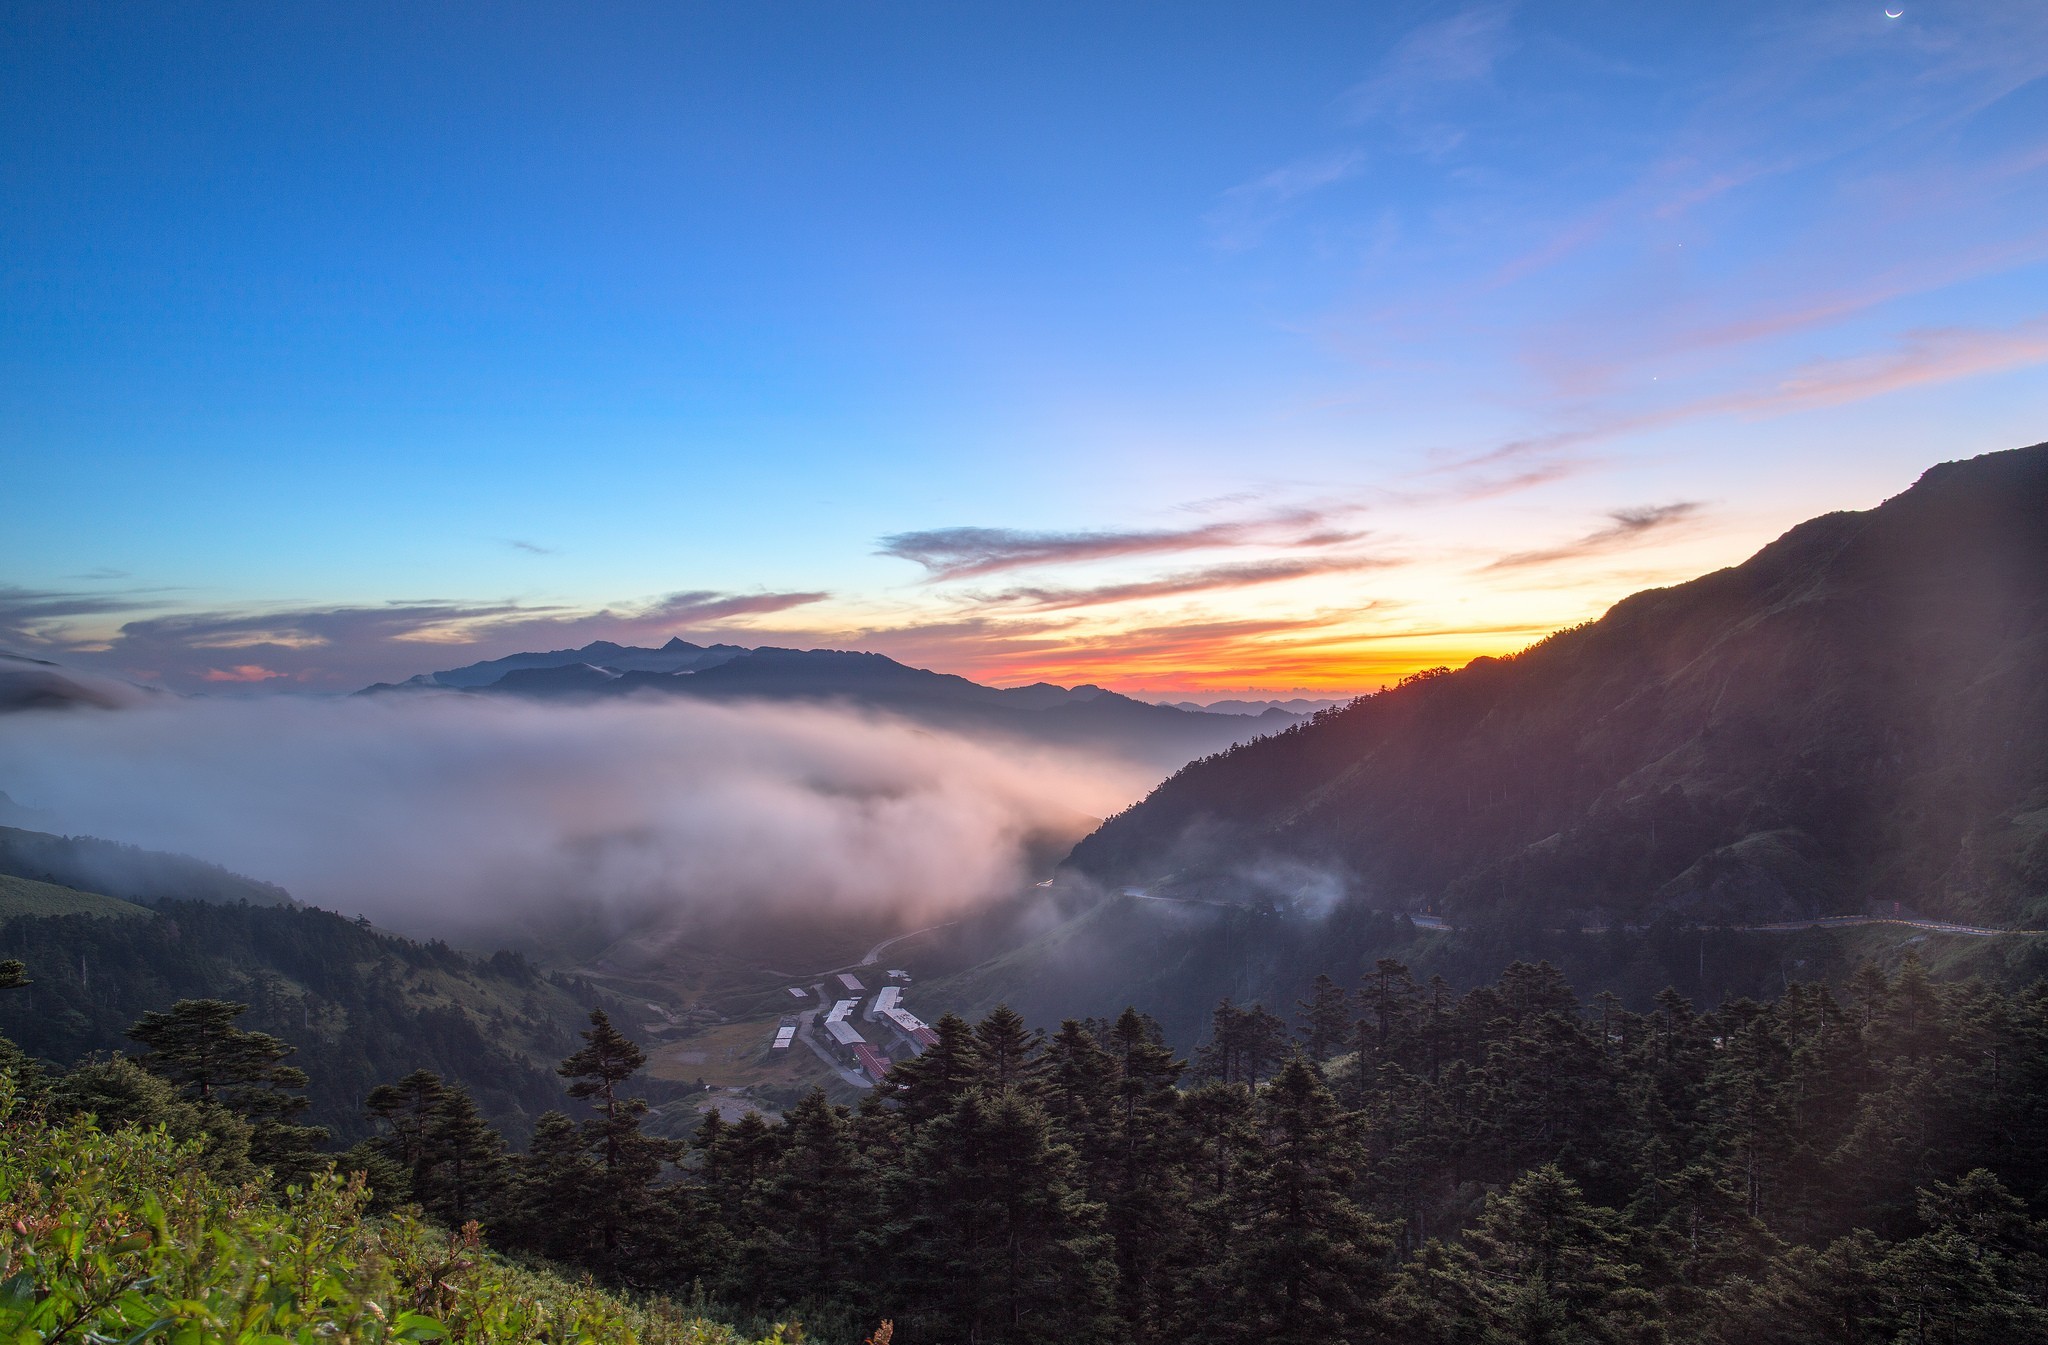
[1855, 716]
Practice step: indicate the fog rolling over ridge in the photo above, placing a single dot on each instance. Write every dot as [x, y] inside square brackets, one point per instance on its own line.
[481, 818]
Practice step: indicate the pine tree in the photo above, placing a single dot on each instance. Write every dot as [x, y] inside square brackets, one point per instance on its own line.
[1388, 997]
[553, 1185]
[996, 1243]
[819, 1194]
[17, 1065]
[624, 1161]
[1324, 1018]
[118, 1093]
[934, 1083]
[1008, 1052]
[464, 1161]
[1243, 1046]
[1977, 1276]
[1223, 1142]
[1552, 1266]
[1305, 1262]
[406, 1109]
[1080, 1094]
[197, 1047]
[1142, 1177]
[738, 1169]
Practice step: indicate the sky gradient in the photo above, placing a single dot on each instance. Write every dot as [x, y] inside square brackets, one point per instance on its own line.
[1177, 348]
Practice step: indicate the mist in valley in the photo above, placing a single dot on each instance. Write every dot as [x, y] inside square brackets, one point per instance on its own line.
[479, 820]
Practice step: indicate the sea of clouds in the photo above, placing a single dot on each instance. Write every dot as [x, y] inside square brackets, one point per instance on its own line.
[462, 815]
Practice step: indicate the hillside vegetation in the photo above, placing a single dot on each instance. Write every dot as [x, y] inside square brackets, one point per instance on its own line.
[25, 896]
[361, 1006]
[1856, 716]
[127, 1236]
[126, 871]
[1407, 1165]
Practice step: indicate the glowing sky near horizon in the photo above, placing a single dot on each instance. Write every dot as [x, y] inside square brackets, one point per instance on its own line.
[1177, 348]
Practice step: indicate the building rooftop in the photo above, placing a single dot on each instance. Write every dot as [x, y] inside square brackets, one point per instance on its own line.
[871, 1060]
[905, 1020]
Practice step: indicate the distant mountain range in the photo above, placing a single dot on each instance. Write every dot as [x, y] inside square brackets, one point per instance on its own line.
[676, 656]
[1297, 706]
[1856, 716]
[1086, 716]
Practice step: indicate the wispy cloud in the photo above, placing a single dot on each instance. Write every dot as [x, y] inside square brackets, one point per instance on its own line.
[343, 647]
[1935, 355]
[706, 605]
[1625, 528]
[34, 616]
[530, 548]
[1246, 574]
[962, 553]
[1431, 61]
[1919, 358]
[1246, 211]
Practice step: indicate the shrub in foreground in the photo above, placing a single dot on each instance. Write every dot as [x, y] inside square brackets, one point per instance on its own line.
[127, 1236]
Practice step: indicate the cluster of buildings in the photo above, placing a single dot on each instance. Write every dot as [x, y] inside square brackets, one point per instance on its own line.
[901, 1030]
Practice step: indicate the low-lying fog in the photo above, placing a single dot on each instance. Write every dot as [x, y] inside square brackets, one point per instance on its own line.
[452, 815]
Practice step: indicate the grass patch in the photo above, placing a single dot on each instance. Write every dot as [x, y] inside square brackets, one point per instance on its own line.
[26, 896]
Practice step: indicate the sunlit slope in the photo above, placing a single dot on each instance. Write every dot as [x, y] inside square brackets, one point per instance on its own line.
[1856, 716]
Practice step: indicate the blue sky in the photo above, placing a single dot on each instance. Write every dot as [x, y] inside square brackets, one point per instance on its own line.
[1251, 345]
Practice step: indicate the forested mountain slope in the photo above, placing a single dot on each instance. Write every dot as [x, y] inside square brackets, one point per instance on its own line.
[127, 872]
[362, 1007]
[1855, 716]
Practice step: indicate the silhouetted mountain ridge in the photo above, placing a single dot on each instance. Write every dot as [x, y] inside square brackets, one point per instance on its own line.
[1857, 715]
[1087, 715]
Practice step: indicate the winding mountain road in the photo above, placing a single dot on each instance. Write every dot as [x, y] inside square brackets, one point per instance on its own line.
[1435, 922]
[875, 953]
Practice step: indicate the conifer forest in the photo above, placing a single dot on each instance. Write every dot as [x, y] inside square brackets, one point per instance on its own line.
[1388, 1162]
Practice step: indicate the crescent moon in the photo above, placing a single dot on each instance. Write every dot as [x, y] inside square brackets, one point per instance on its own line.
[1895, 14]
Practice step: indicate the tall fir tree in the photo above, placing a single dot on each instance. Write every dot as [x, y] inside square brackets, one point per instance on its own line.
[1324, 1018]
[1304, 1261]
[625, 1162]
[995, 1242]
[198, 1047]
[465, 1171]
